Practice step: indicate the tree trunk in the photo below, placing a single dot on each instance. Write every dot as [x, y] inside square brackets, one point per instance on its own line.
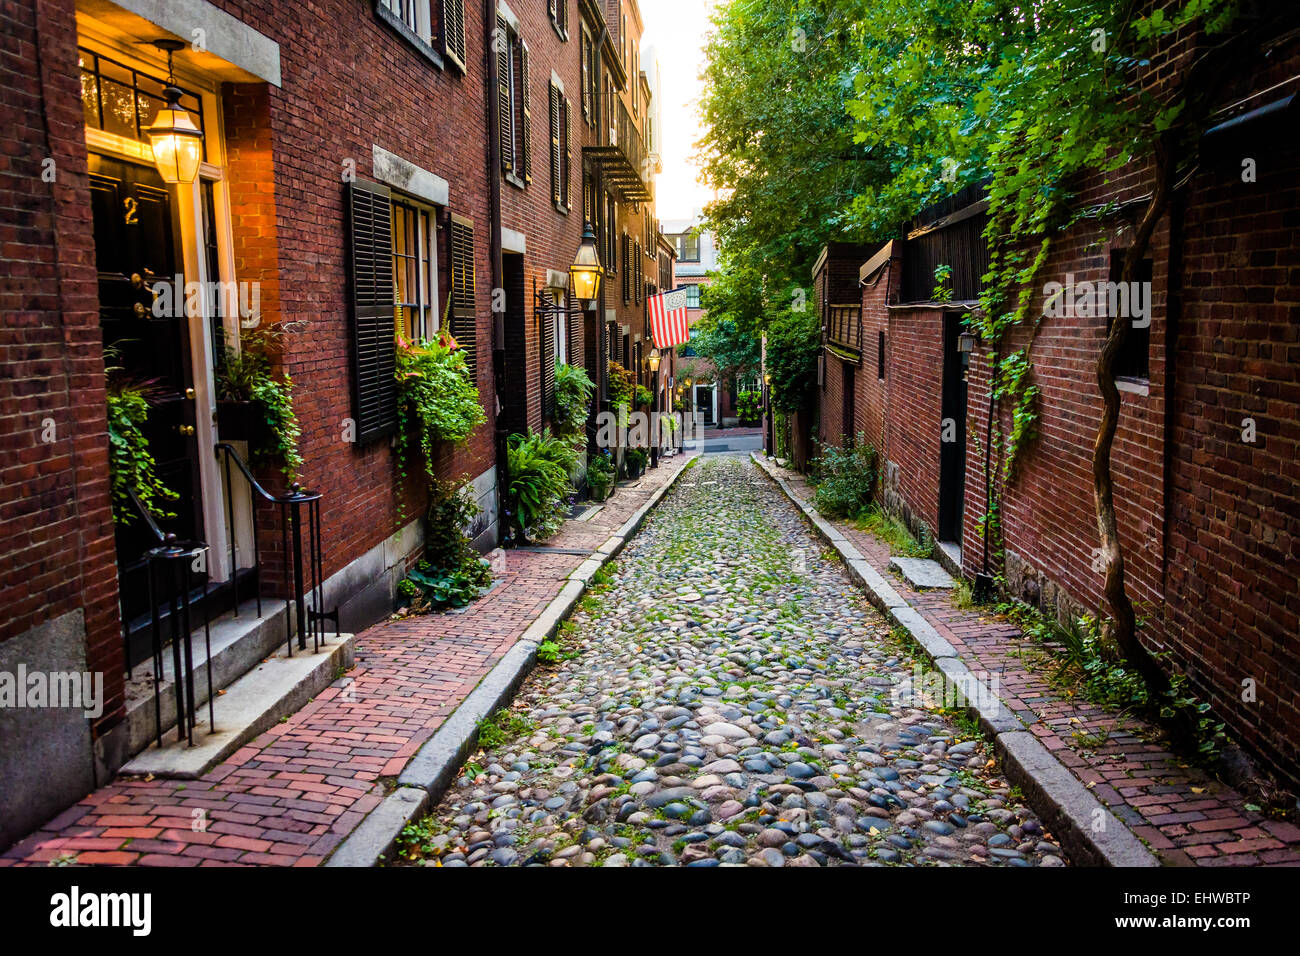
[1123, 627]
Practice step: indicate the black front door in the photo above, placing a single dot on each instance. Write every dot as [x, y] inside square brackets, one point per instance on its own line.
[952, 430]
[135, 248]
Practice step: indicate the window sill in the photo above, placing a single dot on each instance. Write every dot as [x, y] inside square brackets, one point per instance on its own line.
[562, 34]
[1133, 386]
[515, 181]
[421, 45]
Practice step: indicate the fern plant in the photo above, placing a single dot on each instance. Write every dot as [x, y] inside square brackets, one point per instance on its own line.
[538, 489]
[573, 389]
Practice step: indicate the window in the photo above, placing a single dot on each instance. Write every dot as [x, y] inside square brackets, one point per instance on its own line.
[880, 355]
[611, 254]
[688, 247]
[436, 26]
[513, 103]
[415, 271]
[559, 13]
[588, 79]
[413, 14]
[1134, 360]
[561, 172]
[561, 333]
[686, 350]
[123, 101]
[692, 296]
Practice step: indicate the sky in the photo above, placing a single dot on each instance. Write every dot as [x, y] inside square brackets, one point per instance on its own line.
[677, 29]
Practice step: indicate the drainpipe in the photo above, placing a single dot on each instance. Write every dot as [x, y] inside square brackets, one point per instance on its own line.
[494, 250]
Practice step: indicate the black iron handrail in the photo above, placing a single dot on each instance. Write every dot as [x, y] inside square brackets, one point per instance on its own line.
[176, 558]
[304, 579]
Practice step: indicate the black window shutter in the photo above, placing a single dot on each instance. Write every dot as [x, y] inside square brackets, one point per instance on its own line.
[567, 157]
[374, 354]
[527, 160]
[548, 364]
[555, 145]
[453, 28]
[464, 323]
[504, 94]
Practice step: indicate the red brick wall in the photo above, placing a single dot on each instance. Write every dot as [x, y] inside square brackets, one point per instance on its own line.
[320, 117]
[1210, 523]
[56, 532]
[914, 342]
[871, 402]
[1233, 607]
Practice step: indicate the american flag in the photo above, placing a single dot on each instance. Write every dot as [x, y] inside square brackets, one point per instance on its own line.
[668, 323]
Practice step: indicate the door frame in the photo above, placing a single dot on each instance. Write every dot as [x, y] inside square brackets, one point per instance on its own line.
[954, 400]
[695, 399]
[187, 201]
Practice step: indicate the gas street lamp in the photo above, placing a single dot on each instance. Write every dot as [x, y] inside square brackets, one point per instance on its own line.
[586, 271]
[177, 143]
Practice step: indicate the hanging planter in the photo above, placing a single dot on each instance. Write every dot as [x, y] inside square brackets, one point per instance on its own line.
[255, 401]
[243, 421]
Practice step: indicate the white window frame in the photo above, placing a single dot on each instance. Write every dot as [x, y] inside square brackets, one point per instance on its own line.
[560, 338]
[428, 315]
[417, 15]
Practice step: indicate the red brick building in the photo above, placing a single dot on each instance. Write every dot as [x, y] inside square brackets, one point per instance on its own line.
[369, 168]
[1206, 459]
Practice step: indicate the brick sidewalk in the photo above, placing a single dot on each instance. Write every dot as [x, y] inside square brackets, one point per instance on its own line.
[1182, 813]
[291, 795]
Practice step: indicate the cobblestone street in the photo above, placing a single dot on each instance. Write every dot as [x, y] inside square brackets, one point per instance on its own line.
[727, 698]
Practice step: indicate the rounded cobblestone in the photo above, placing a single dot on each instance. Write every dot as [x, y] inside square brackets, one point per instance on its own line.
[728, 698]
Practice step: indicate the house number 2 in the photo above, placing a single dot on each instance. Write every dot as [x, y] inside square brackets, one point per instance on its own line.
[131, 209]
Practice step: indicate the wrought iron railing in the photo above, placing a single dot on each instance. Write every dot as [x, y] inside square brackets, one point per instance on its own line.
[171, 567]
[303, 573]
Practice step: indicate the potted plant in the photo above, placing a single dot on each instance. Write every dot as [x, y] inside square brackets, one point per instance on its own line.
[600, 476]
[634, 462]
[255, 401]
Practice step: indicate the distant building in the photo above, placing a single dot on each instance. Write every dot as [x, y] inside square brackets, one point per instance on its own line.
[697, 258]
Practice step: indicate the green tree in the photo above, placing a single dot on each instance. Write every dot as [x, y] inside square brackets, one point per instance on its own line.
[778, 142]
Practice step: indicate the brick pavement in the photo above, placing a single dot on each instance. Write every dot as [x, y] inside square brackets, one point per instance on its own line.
[290, 796]
[1185, 815]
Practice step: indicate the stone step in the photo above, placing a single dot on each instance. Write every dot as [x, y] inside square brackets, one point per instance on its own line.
[239, 642]
[274, 688]
[922, 572]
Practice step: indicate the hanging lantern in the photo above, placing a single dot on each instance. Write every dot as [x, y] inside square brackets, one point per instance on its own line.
[177, 142]
[586, 270]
